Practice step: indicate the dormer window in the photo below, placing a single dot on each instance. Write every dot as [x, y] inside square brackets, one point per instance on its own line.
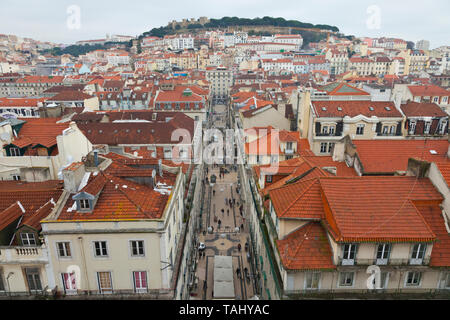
[84, 204]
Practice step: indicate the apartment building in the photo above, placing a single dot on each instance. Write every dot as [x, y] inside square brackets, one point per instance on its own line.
[38, 149]
[117, 230]
[330, 121]
[221, 81]
[319, 247]
[193, 101]
[424, 120]
[24, 264]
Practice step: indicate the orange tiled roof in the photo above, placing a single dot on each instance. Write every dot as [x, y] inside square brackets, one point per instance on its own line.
[428, 90]
[362, 208]
[388, 156]
[307, 248]
[10, 214]
[440, 255]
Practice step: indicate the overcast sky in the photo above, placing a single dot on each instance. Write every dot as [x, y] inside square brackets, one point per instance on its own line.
[49, 20]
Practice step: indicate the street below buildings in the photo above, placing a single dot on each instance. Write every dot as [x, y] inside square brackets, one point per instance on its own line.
[225, 229]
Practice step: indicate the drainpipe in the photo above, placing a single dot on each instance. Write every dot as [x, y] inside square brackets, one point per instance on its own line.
[84, 264]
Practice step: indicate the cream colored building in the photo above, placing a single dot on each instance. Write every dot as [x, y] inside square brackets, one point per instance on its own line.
[116, 255]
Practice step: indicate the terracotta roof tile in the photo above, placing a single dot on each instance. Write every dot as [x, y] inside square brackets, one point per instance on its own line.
[307, 248]
[389, 156]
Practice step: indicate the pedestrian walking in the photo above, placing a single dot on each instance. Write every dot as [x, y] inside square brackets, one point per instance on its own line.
[234, 202]
[239, 247]
[219, 223]
[214, 193]
[228, 212]
[238, 272]
[242, 226]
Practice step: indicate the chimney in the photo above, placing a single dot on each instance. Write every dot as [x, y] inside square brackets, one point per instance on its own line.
[96, 157]
[73, 175]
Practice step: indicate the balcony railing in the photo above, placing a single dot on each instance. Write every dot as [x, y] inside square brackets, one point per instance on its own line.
[380, 262]
[289, 151]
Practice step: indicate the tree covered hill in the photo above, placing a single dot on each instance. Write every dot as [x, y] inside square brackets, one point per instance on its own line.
[235, 21]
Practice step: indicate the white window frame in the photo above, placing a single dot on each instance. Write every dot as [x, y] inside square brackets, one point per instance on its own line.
[58, 252]
[346, 255]
[95, 249]
[413, 285]
[412, 127]
[139, 255]
[72, 288]
[416, 259]
[323, 147]
[27, 239]
[105, 290]
[341, 274]
[310, 276]
[85, 204]
[427, 128]
[140, 289]
[385, 253]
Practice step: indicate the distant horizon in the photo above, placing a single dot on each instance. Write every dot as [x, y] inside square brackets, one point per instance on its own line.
[47, 21]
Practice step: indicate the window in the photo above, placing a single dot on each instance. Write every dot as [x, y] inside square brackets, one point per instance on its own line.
[16, 177]
[385, 130]
[330, 146]
[331, 130]
[14, 152]
[427, 127]
[28, 239]
[69, 282]
[63, 249]
[100, 249]
[384, 278]
[323, 147]
[360, 129]
[442, 127]
[104, 282]
[413, 278]
[412, 127]
[346, 279]
[33, 279]
[269, 178]
[418, 253]
[325, 129]
[140, 281]
[383, 251]
[137, 248]
[446, 281]
[289, 145]
[349, 253]
[84, 204]
[312, 280]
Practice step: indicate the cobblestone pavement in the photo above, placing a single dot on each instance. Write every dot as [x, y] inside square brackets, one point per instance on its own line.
[225, 238]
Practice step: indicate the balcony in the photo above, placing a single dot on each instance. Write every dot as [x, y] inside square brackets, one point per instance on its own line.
[17, 255]
[384, 262]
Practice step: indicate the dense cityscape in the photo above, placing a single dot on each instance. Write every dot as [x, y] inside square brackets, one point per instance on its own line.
[233, 158]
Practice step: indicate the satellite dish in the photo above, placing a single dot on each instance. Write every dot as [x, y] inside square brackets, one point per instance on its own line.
[5, 136]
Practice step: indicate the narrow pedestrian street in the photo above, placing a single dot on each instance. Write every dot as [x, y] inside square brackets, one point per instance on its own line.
[225, 229]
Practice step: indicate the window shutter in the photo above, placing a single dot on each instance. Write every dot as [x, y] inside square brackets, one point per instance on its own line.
[420, 127]
[318, 126]
[339, 127]
[434, 126]
[399, 129]
[378, 129]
